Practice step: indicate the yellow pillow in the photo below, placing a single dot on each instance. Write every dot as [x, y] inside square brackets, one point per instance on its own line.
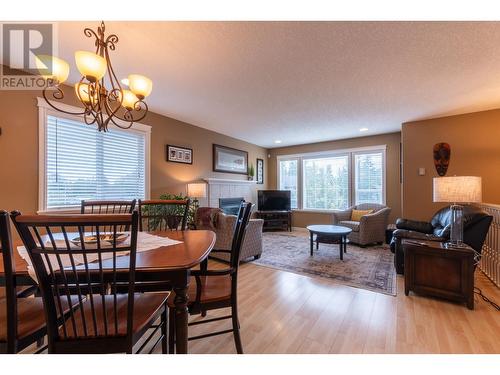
[356, 214]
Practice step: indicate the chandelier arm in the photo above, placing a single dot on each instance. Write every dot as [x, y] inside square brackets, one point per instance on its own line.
[128, 115]
[58, 95]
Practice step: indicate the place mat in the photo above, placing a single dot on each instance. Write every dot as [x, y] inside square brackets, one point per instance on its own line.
[145, 242]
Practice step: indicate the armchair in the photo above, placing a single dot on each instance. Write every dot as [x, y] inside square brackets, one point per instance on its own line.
[370, 229]
[476, 226]
[223, 225]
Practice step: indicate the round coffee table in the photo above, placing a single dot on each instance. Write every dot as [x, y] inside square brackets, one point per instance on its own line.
[331, 233]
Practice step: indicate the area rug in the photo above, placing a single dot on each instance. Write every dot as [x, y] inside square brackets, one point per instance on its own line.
[370, 268]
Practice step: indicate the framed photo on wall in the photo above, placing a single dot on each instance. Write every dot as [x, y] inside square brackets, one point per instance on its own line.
[260, 171]
[178, 154]
[229, 160]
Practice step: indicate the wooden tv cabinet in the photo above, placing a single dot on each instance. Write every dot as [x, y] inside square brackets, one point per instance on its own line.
[276, 220]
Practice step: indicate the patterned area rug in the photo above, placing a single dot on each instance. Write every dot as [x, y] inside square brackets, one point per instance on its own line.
[368, 268]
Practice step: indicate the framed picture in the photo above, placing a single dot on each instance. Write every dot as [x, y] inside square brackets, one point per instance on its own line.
[260, 171]
[178, 154]
[230, 160]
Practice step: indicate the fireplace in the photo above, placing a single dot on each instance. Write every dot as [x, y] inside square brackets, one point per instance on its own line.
[230, 206]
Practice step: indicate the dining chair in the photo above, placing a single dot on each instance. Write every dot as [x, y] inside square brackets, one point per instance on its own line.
[216, 289]
[22, 322]
[162, 215]
[107, 206]
[67, 260]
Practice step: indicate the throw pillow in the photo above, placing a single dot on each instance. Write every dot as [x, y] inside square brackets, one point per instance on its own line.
[356, 214]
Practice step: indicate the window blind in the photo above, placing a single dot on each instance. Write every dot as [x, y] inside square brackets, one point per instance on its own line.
[369, 178]
[82, 163]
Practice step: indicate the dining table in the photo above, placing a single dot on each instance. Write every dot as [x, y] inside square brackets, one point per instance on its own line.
[167, 264]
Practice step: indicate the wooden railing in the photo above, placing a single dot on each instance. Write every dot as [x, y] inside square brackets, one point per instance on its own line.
[490, 255]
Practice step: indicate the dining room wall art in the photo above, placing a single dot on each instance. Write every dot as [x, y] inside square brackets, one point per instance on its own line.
[178, 154]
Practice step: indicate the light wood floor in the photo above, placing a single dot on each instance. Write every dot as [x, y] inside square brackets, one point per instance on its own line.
[282, 312]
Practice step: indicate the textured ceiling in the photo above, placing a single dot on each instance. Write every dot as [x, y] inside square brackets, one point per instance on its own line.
[304, 82]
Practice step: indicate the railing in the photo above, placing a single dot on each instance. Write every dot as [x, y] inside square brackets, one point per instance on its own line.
[490, 255]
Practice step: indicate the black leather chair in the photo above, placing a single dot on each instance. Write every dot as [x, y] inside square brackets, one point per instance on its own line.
[476, 226]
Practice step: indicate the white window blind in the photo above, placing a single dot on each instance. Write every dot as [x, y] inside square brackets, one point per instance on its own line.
[288, 179]
[369, 178]
[82, 163]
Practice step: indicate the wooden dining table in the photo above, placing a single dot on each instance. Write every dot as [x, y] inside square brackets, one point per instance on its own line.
[170, 264]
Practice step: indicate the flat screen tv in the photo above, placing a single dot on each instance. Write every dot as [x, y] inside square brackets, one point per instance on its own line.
[274, 200]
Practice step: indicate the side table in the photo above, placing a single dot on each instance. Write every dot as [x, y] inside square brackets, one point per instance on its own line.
[432, 269]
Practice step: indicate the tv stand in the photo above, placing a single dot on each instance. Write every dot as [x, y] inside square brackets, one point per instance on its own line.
[276, 220]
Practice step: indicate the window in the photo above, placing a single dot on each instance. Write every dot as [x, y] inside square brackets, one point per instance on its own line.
[288, 178]
[78, 162]
[334, 180]
[368, 186]
[326, 183]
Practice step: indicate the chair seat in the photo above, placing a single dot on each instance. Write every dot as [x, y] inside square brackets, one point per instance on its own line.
[354, 225]
[213, 289]
[147, 308]
[31, 317]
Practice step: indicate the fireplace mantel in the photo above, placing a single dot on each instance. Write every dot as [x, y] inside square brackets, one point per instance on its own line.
[229, 188]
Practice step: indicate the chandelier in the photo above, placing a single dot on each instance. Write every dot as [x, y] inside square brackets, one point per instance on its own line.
[102, 96]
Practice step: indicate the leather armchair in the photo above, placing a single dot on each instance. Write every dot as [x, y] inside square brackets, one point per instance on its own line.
[370, 229]
[223, 226]
[476, 226]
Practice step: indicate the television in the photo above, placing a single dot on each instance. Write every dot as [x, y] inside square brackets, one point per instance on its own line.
[274, 200]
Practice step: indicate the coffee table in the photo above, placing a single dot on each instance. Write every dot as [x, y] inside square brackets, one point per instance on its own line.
[331, 233]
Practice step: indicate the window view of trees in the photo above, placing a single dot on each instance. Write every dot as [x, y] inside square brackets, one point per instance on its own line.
[326, 183]
[288, 179]
[334, 181]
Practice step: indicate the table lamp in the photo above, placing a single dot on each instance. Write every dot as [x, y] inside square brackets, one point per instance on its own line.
[457, 189]
[197, 190]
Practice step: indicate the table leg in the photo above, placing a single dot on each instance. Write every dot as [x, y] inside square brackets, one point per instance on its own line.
[345, 244]
[341, 248]
[181, 313]
[312, 242]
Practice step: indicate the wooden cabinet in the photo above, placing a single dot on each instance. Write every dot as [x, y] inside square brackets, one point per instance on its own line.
[276, 220]
[433, 269]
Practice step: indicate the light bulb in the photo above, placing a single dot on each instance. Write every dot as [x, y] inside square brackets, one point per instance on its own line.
[56, 68]
[141, 86]
[90, 65]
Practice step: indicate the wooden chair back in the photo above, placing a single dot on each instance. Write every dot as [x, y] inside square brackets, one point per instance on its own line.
[161, 215]
[239, 232]
[10, 282]
[72, 273]
[108, 207]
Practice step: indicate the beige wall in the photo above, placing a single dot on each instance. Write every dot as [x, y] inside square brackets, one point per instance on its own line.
[475, 150]
[393, 187]
[19, 152]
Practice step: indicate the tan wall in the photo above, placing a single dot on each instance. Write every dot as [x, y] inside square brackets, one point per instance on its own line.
[19, 152]
[475, 150]
[393, 186]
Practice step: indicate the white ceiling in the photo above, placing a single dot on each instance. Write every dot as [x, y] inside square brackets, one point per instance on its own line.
[304, 82]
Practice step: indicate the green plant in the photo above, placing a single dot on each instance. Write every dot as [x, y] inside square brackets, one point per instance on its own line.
[172, 213]
[251, 170]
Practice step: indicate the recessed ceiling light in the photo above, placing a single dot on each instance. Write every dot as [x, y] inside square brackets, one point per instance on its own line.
[125, 81]
[363, 129]
[277, 141]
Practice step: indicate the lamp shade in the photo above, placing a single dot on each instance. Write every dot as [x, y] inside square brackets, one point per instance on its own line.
[91, 66]
[140, 85]
[457, 189]
[197, 190]
[52, 67]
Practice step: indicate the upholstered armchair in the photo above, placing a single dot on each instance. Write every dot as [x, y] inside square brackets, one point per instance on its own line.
[476, 226]
[371, 227]
[223, 225]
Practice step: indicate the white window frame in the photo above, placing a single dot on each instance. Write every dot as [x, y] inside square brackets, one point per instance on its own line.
[45, 110]
[325, 154]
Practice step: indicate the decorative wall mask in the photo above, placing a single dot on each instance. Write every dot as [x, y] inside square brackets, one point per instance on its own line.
[442, 153]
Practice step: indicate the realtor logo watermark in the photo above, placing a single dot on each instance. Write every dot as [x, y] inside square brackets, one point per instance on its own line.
[21, 43]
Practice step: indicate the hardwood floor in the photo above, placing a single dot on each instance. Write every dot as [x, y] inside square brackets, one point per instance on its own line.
[282, 312]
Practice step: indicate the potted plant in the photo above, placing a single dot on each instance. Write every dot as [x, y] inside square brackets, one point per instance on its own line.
[251, 172]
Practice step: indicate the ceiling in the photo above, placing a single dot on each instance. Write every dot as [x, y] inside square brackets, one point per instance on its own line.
[302, 82]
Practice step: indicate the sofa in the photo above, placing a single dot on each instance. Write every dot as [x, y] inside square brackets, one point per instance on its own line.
[216, 220]
[371, 227]
[476, 226]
